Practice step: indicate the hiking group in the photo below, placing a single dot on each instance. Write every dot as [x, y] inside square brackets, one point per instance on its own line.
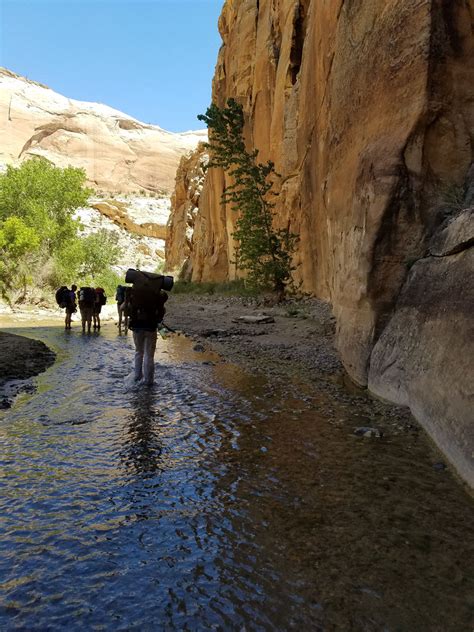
[140, 306]
[90, 302]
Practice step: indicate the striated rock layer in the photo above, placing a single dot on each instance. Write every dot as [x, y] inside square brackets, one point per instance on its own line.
[182, 229]
[367, 110]
[118, 153]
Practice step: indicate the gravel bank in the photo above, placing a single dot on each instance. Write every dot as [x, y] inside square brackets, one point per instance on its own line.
[297, 349]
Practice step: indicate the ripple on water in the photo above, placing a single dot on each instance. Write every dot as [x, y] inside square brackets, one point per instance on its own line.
[218, 500]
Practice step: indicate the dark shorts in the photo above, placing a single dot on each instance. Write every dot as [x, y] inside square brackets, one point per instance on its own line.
[97, 309]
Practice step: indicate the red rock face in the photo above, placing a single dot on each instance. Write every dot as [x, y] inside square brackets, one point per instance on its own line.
[366, 110]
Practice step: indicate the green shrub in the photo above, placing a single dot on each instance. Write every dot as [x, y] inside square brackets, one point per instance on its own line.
[40, 244]
[37, 202]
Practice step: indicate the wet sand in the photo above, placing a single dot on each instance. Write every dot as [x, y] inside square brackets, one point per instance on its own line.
[299, 341]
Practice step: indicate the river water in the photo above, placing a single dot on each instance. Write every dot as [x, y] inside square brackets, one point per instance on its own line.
[217, 501]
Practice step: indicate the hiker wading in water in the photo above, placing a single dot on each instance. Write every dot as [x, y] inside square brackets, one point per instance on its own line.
[86, 296]
[71, 307]
[122, 296]
[147, 310]
[99, 302]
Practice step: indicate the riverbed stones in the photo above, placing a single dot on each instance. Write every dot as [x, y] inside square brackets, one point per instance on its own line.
[5, 403]
[368, 432]
[255, 319]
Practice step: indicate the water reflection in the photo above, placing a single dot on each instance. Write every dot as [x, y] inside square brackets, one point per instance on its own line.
[142, 449]
[216, 500]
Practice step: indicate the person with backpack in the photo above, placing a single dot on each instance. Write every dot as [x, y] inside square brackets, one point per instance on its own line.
[71, 307]
[100, 300]
[120, 297]
[66, 299]
[86, 296]
[146, 312]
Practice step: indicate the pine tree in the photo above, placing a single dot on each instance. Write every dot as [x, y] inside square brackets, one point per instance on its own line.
[264, 252]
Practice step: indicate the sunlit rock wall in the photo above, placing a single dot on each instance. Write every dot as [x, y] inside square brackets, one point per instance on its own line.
[366, 108]
[184, 211]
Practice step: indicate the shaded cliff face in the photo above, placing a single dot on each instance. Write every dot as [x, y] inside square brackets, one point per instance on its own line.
[366, 110]
[118, 153]
[423, 358]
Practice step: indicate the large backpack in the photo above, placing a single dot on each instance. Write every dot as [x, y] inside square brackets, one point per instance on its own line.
[86, 297]
[100, 296]
[139, 278]
[147, 300]
[62, 296]
[120, 294]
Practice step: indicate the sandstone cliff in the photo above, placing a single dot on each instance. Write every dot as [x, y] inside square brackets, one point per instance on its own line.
[367, 110]
[424, 356]
[118, 153]
[184, 218]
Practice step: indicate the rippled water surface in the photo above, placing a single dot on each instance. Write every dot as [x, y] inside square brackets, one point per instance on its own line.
[216, 500]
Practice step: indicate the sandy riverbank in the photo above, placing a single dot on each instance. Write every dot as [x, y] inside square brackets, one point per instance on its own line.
[296, 348]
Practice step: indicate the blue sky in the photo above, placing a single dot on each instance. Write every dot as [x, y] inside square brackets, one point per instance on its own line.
[153, 59]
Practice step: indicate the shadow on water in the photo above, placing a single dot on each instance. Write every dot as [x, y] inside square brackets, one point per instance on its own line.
[142, 452]
[217, 500]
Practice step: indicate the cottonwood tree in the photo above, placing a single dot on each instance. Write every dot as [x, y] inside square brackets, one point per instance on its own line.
[263, 251]
[40, 239]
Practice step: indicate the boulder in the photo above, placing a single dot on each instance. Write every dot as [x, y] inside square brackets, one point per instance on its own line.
[424, 357]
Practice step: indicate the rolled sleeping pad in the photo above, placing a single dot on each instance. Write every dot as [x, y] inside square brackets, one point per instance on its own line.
[140, 277]
[136, 276]
[168, 283]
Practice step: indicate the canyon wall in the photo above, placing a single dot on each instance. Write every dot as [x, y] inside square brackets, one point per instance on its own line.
[183, 223]
[367, 109]
[118, 153]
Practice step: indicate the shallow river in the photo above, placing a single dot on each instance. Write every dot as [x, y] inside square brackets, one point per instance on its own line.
[216, 500]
